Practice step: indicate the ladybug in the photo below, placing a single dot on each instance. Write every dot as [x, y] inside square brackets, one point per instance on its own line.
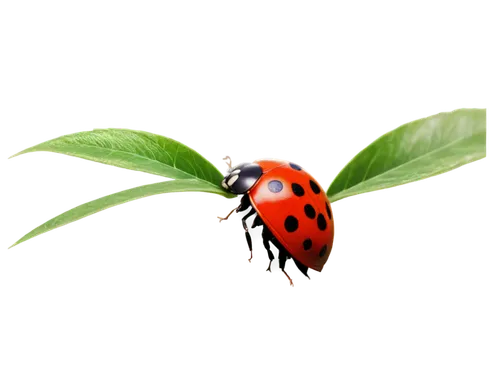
[290, 205]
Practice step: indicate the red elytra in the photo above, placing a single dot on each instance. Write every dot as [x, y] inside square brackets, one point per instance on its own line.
[311, 242]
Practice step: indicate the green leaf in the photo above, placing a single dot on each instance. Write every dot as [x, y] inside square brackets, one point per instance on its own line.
[112, 200]
[136, 150]
[414, 151]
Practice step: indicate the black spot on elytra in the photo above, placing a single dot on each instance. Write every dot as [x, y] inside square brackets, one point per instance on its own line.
[291, 223]
[297, 190]
[275, 186]
[307, 244]
[314, 186]
[295, 166]
[321, 222]
[310, 211]
[328, 211]
[322, 252]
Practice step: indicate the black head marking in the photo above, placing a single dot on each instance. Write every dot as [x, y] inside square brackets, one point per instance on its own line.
[291, 223]
[242, 177]
[310, 211]
[322, 252]
[328, 211]
[314, 187]
[275, 186]
[307, 244]
[321, 222]
[297, 190]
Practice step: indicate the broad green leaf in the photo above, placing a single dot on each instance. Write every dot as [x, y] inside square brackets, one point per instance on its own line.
[136, 150]
[112, 200]
[414, 151]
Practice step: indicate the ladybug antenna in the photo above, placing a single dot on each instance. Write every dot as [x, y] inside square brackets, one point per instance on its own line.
[227, 160]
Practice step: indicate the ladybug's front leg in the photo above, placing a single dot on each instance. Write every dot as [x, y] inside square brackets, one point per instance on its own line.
[221, 219]
[247, 235]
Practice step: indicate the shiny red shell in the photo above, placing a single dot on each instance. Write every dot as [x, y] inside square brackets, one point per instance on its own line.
[307, 237]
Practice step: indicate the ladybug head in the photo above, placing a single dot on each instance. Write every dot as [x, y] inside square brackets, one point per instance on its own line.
[241, 178]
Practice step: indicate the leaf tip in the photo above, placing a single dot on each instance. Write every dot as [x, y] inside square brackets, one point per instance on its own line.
[13, 246]
[14, 155]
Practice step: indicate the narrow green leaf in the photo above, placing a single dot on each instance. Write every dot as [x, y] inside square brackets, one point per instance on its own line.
[112, 200]
[136, 150]
[414, 151]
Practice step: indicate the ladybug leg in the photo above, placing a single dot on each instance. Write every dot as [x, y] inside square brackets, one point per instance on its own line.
[250, 234]
[222, 219]
[273, 258]
[292, 283]
[272, 263]
[251, 248]
[283, 263]
[251, 228]
[244, 204]
[277, 257]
